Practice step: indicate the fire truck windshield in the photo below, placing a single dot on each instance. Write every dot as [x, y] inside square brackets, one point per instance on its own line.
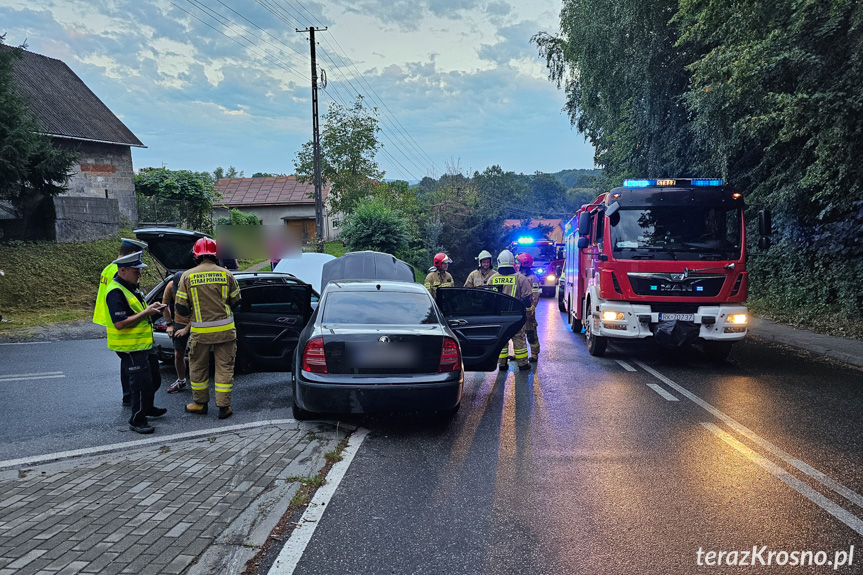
[542, 252]
[676, 232]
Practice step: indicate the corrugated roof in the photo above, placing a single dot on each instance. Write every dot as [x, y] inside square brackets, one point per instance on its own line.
[62, 103]
[280, 191]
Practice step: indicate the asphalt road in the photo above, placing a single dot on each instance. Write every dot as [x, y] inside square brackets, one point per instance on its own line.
[631, 463]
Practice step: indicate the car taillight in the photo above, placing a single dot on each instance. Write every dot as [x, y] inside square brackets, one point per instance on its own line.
[314, 359]
[450, 357]
[160, 327]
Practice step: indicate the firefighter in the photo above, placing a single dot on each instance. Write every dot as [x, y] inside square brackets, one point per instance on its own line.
[526, 261]
[203, 304]
[438, 277]
[100, 312]
[516, 285]
[130, 335]
[480, 276]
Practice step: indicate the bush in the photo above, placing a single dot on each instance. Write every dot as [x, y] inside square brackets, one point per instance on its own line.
[375, 226]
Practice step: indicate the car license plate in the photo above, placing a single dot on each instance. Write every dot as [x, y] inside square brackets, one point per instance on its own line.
[676, 316]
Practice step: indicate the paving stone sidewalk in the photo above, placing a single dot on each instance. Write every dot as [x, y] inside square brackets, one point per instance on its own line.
[201, 505]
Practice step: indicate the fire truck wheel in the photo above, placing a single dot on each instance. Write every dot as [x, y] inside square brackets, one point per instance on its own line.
[717, 350]
[595, 344]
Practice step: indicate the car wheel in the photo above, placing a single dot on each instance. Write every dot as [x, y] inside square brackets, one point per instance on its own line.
[596, 344]
[561, 305]
[717, 350]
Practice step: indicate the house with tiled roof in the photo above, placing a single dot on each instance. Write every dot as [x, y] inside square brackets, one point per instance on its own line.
[556, 225]
[101, 188]
[281, 200]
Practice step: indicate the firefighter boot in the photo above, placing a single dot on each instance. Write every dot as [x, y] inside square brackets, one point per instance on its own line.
[225, 412]
[503, 358]
[199, 408]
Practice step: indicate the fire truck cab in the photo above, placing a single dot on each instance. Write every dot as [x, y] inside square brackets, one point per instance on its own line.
[663, 259]
[547, 258]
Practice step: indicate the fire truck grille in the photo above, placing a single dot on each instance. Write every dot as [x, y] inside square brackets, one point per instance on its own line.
[676, 285]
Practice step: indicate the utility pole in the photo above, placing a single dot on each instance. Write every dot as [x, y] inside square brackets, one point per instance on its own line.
[316, 141]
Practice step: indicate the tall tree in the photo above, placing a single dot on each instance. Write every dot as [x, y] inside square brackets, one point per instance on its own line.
[348, 147]
[190, 193]
[30, 166]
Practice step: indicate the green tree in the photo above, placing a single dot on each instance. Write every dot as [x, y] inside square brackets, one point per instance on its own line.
[30, 166]
[193, 192]
[348, 147]
[220, 173]
[376, 225]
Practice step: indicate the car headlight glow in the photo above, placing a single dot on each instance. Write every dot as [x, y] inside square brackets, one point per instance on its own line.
[737, 318]
[551, 278]
[612, 316]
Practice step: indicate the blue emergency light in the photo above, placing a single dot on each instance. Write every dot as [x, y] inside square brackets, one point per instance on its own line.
[638, 183]
[539, 271]
[706, 183]
[525, 240]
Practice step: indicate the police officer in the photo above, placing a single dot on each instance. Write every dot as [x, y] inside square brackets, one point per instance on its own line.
[130, 335]
[438, 277]
[203, 302]
[516, 285]
[530, 327]
[100, 312]
[480, 276]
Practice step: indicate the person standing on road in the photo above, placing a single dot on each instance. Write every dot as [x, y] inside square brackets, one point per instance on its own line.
[100, 312]
[516, 285]
[438, 277]
[530, 327]
[130, 335]
[203, 302]
[480, 276]
[179, 342]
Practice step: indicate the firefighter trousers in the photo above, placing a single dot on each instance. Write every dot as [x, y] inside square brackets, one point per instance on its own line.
[519, 348]
[532, 338]
[199, 370]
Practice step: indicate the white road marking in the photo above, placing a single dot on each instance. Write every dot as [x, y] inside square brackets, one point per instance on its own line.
[658, 389]
[294, 548]
[28, 461]
[805, 490]
[17, 375]
[26, 377]
[818, 476]
[26, 342]
[624, 365]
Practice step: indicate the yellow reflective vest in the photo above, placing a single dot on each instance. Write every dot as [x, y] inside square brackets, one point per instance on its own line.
[100, 312]
[133, 338]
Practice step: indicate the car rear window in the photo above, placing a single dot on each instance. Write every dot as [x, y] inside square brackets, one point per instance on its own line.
[379, 307]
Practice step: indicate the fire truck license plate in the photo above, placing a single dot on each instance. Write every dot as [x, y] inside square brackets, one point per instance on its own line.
[676, 316]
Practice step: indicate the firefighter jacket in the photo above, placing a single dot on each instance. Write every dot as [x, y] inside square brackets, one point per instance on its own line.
[100, 313]
[479, 277]
[438, 279]
[133, 338]
[513, 284]
[205, 297]
[534, 282]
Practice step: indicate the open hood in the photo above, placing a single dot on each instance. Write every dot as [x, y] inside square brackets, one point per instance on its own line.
[366, 266]
[171, 247]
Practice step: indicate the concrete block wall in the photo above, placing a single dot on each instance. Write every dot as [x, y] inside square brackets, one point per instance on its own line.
[85, 218]
[103, 171]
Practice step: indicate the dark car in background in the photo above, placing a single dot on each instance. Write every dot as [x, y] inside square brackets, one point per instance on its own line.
[273, 311]
[378, 341]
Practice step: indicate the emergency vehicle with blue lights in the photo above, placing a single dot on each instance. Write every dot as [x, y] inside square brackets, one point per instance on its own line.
[662, 259]
[547, 258]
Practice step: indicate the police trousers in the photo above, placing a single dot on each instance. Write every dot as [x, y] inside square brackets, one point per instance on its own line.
[141, 369]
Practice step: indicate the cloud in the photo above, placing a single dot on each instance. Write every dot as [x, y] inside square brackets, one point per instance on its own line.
[515, 44]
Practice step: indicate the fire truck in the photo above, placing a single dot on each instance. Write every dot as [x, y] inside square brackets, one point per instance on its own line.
[662, 259]
[547, 260]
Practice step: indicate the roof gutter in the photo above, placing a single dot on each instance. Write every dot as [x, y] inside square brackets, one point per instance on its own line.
[92, 140]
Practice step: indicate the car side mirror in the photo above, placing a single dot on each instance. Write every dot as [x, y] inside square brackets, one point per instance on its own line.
[765, 225]
[764, 243]
[612, 209]
[583, 242]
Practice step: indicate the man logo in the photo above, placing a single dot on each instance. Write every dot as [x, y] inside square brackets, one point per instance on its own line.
[384, 339]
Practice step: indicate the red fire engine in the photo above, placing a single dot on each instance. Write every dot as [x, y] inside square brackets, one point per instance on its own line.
[547, 260]
[660, 258]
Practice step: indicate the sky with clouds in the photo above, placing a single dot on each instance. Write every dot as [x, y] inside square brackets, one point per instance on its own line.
[207, 83]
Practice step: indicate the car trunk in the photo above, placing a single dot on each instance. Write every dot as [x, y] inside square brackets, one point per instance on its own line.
[171, 247]
[382, 350]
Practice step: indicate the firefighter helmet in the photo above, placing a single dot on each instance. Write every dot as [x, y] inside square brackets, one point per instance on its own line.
[441, 258]
[526, 260]
[483, 255]
[204, 247]
[505, 259]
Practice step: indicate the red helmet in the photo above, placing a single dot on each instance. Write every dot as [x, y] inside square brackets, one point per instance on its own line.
[440, 259]
[204, 247]
[526, 260]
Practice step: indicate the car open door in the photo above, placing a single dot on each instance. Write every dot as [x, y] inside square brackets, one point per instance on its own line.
[269, 320]
[484, 320]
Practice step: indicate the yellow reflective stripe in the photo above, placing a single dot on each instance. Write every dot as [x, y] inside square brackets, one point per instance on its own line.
[199, 386]
[520, 353]
[213, 329]
[504, 352]
[236, 292]
[224, 387]
[182, 294]
[196, 304]
[202, 278]
[225, 299]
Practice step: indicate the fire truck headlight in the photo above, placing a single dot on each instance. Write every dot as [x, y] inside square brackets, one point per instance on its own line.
[737, 318]
[612, 316]
[551, 278]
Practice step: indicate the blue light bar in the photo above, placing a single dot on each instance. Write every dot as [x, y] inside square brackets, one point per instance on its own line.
[638, 183]
[525, 240]
[705, 183]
